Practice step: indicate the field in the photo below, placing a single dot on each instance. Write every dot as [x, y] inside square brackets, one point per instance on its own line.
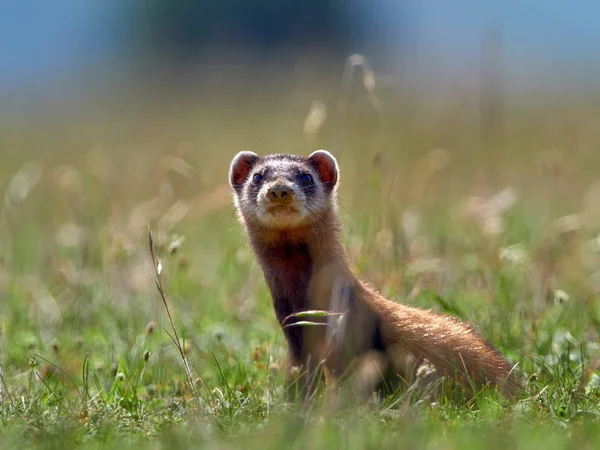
[485, 209]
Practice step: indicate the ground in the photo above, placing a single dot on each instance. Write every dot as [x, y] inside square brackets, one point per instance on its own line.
[495, 221]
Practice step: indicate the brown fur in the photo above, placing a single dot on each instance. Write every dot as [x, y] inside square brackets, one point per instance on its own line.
[306, 267]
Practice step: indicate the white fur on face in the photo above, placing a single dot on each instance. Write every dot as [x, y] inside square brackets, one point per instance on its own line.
[298, 210]
[281, 214]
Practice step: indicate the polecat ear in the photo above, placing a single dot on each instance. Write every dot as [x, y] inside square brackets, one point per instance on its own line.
[240, 169]
[326, 166]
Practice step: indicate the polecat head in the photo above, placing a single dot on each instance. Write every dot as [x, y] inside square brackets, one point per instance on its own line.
[283, 191]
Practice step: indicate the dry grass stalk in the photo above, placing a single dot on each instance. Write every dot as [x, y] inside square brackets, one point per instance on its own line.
[175, 337]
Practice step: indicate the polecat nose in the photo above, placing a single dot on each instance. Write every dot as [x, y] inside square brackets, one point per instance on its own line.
[280, 192]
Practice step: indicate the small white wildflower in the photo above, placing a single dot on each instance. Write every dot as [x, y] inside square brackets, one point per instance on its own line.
[593, 384]
[514, 254]
[425, 369]
[561, 297]
[176, 244]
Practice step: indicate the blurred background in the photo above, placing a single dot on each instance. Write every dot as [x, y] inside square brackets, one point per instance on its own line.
[467, 133]
[210, 78]
[45, 43]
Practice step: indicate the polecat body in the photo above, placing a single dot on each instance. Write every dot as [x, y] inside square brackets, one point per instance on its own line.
[287, 205]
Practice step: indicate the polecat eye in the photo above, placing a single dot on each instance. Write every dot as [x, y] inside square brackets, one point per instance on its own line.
[257, 178]
[306, 179]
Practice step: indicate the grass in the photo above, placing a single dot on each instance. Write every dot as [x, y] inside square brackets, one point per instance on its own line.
[88, 358]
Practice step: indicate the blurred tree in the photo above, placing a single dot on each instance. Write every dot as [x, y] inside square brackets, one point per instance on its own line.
[180, 28]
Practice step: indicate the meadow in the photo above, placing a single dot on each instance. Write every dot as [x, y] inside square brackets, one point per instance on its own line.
[487, 210]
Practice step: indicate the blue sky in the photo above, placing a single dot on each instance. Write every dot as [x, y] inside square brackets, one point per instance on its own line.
[549, 28]
[42, 39]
